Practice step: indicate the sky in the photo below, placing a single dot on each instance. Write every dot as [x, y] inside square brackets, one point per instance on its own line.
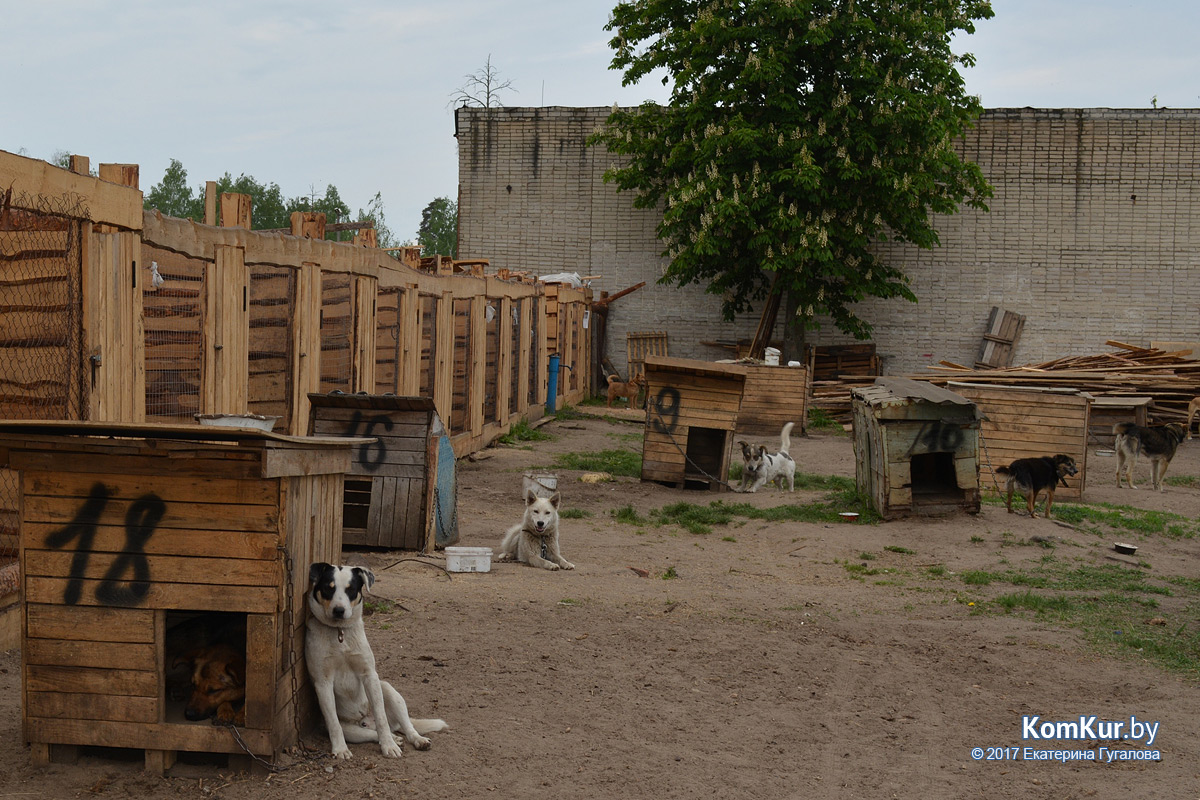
[359, 94]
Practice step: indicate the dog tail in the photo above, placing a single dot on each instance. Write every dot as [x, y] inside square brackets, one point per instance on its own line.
[425, 726]
[1123, 428]
[785, 439]
[613, 379]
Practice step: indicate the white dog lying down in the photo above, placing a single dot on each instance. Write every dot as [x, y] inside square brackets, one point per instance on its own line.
[534, 540]
[356, 705]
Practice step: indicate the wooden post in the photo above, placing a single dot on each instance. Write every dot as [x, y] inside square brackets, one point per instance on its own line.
[235, 210]
[366, 237]
[540, 347]
[124, 174]
[477, 367]
[525, 354]
[363, 366]
[80, 165]
[409, 321]
[443, 373]
[210, 203]
[307, 345]
[226, 369]
[308, 224]
[504, 360]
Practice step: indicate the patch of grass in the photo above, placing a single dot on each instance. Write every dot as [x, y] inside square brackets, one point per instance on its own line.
[570, 601]
[937, 570]
[819, 420]
[864, 556]
[976, 540]
[833, 483]
[692, 518]
[625, 463]
[892, 548]
[629, 516]
[522, 431]
[567, 412]
[574, 513]
[1182, 480]
[728, 539]
[670, 574]
[1127, 518]
[377, 605]
[976, 577]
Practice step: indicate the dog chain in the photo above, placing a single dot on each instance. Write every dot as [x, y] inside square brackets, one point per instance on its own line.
[988, 456]
[289, 619]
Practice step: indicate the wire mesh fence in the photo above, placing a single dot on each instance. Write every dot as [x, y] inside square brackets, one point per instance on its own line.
[173, 318]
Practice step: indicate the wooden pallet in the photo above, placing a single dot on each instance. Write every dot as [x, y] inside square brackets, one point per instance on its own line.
[1000, 339]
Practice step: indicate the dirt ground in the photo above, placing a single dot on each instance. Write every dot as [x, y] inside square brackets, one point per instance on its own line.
[765, 669]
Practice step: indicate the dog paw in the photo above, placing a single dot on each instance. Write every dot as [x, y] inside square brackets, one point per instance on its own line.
[420, 743]
[344, 754]
[567, 565]
[552, 566]
[391, 749]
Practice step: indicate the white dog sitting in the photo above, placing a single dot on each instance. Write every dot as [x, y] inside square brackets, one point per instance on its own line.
[534, 540]
[760, 467]
[356, 705]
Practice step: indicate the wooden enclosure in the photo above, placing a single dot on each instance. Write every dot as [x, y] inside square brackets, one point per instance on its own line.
[774, 395]
[691, 413]
[1025, 422]
[130, 530]
[916, 448]
[117, 314]
[389, 497]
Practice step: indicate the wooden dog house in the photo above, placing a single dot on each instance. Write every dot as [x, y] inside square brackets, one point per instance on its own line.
[691, 413]
[916, 448]
[773, 396]
[128, 530]
[392, 490]
[1030, 421]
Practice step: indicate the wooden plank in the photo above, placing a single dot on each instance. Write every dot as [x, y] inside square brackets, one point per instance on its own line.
[202, 516]
[91, 680]
[171, 596]
[80, 705]
[170, 569]
[97, 624]
[191, 737]
[168, 488]
[78, 653]
[262, 665]
[173, 541]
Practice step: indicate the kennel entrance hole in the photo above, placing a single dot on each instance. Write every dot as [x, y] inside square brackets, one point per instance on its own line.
[933, 478]
[705, 451]
[186, 632]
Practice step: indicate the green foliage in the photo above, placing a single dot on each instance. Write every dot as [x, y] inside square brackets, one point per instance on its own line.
[438, 233]
[895, 548]
[819, 420]
[628, 515]
[798, 135]
[1127, 518]
[522, 431]
[670, 574]
[574, 513]
[173, 197]
[615, 462]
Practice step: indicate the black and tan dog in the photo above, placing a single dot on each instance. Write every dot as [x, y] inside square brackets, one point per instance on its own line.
[1156, 442]
[1032, 476]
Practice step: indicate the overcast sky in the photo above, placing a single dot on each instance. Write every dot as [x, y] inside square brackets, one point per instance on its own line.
[358, 93]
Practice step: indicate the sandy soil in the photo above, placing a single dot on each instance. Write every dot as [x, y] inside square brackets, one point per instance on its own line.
[766, 669]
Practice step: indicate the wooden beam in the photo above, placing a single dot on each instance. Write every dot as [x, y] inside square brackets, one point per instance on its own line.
[236, 210]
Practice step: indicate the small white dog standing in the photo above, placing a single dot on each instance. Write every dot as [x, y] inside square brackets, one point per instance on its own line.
[760, 467]
[356, 705]
[534, 540]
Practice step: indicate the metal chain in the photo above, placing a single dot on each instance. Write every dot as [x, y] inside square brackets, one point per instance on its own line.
[289, 620]
[988, 456]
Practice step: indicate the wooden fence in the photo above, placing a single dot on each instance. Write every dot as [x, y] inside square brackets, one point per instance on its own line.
[112, 313]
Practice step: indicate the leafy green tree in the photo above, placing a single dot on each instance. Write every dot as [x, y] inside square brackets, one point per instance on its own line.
[799, 134]
[438, 233]
[172, 195]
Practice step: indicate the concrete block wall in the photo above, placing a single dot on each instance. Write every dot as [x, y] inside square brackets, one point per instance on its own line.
[1093, 234]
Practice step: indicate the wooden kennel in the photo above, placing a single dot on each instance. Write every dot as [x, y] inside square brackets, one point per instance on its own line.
[773, 396]
[916, 448]
[392, 489]
[129, 530]
[1025, 422]
[691, 413]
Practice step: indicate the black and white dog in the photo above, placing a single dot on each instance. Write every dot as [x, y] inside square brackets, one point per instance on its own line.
[760, 467]
[356, 705]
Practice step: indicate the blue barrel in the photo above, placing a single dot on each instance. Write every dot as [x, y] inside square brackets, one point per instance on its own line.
[552, 386]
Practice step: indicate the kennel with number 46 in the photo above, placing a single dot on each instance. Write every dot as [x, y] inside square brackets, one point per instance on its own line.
[146, 547]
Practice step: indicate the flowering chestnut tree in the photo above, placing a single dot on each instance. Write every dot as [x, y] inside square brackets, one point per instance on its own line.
[799, 133]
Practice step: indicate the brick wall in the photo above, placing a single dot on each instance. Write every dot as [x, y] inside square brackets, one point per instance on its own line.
[1093, 234]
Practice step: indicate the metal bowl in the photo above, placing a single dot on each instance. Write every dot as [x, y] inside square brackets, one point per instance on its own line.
[1126, 549]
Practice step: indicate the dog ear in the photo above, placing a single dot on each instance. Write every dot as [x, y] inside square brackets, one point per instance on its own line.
[554, 500]
[530, 496]
[368, 577]
[315, 571]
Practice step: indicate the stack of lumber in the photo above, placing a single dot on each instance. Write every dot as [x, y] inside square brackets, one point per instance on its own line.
[836, 369]
[1172, 378]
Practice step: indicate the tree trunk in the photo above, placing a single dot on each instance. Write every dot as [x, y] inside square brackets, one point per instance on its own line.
[794, 334]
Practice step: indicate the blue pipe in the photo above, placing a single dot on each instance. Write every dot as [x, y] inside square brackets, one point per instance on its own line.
[552, 385]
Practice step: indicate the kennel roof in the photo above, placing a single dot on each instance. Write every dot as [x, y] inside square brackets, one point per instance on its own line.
[890, 397]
